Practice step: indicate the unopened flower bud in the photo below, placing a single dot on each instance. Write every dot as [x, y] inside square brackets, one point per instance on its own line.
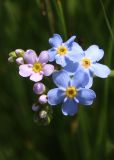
[10, 59]
[43, 99]
[12, 54]
[19, 52]
[35, 107]
[39, 88]
[42, 114]
[19, 61]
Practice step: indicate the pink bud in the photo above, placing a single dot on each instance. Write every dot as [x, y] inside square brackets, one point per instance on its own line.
[35, 107]
[39, 88]
[20, 61]
[43, 99]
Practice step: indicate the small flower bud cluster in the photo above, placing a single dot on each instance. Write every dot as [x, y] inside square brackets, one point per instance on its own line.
[73, 77]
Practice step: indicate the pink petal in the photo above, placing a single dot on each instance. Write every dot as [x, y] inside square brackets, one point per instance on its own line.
[44, 57]
[30, 56]
[48, 69]
[36, 77]
[25, 70]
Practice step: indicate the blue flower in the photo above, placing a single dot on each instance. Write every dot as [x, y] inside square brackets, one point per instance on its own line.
[70, 91]
[62, 51]
[88, 61]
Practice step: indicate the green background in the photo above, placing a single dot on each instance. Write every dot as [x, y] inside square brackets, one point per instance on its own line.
[28, 24]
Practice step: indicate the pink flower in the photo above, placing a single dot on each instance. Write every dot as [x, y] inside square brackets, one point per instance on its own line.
[36, 67]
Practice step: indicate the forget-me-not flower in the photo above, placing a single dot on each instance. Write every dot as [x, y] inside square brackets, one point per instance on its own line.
[88, 61]
[61, 51]
[70, 91]
[36, 66]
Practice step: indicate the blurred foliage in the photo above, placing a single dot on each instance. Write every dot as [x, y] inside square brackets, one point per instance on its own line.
[29, 24]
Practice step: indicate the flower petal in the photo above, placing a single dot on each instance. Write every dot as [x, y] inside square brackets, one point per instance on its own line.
[30, 56]
[77, 48]
[56, 40]
[86, 96]
[36, 77]
[90, 83]
[94, 53]
[80, 79]
[60, 59]
[101, 70]
[73, 56]
[44, 57]
[71, 67]
[55, 96]
[76, 53]
[61, 79]
[25, 70]
[70, 41]
[52, 53]
[69, 107]
[48, 69]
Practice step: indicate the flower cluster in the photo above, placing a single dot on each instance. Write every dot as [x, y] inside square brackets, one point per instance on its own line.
[73, 80]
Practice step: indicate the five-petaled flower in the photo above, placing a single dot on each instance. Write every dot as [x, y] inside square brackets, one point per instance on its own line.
[35, 66]
[88, 61]
[62, 51]
[70, 91]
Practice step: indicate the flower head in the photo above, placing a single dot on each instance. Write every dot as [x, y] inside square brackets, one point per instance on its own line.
[88, 62]
[70, 91]
[61, 51]
[35, 66]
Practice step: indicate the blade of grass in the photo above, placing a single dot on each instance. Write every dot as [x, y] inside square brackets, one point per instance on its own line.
[84, 136]
[107, 21]
[102, 132]
[61, 19]
[50, 15]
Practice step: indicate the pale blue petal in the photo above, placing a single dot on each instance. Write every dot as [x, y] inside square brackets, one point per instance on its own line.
[73, 56]
[52, 54]
[90, 83]
[94, 53]
[71, 67]
[70, 41]
[101, 70]
[61, 79]
[69, 107]
[86, 96]
[55, 96]
[76, 53]
[56, 40]
[80, 79]
[60, 59]
[77, 48]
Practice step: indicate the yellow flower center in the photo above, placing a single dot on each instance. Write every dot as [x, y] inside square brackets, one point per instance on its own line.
[37, 67]
[71, 92]
[62, 50]
[86, 62]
